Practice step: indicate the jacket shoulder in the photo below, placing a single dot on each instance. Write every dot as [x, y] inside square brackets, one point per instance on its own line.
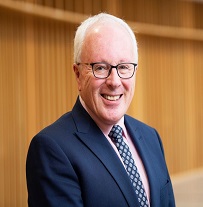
[62, 126]
[137, 123]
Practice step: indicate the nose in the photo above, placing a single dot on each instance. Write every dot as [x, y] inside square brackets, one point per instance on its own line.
[113, 79]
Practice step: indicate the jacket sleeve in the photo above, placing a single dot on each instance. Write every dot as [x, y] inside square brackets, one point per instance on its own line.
[51, 179]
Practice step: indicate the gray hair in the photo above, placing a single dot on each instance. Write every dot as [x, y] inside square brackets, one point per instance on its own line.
[99, 18]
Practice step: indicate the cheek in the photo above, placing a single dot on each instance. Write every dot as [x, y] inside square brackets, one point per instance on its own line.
[129, 85]
[84, 80]
[84, 84]
[88, 86]
[130, 88]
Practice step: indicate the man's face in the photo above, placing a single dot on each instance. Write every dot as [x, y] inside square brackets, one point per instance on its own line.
[107, 100]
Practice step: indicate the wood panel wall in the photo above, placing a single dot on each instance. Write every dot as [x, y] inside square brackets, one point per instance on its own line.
[37, 83]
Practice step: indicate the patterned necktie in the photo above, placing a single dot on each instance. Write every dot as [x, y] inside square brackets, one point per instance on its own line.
[116, 136]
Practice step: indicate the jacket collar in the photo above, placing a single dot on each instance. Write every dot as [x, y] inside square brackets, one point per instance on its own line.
[146, 151]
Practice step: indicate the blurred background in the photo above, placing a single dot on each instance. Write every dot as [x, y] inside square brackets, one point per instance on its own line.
[37, 84]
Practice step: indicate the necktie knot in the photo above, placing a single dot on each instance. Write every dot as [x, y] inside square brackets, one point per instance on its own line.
[116, 133]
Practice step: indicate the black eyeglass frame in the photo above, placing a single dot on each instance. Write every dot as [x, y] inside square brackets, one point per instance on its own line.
[112, 66]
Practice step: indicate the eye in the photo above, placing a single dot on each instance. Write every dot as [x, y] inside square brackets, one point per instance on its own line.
[100, 67]
[123, 67]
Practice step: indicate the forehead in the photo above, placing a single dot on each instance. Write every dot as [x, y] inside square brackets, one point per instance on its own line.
[107, 40]
[105, 29]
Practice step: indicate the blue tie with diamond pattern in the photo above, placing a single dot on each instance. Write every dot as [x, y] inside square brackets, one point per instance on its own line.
[124, 151]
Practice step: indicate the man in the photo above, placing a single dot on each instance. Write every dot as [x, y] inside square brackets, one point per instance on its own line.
[95, 155]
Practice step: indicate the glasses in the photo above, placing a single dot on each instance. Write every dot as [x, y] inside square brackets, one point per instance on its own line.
[103, 70]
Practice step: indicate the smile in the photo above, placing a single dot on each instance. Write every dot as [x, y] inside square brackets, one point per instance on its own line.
[111, 98]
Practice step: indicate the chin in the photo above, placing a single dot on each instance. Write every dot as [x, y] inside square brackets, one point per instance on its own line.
[113, 118]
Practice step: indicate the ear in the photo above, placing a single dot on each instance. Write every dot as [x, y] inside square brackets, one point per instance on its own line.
[76, 70]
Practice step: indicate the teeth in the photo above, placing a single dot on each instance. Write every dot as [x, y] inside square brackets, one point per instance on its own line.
[111, 98]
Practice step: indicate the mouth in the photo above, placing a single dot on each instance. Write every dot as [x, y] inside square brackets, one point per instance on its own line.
[111, 98]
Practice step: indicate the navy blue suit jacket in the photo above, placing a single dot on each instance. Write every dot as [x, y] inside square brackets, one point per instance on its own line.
[71, 164]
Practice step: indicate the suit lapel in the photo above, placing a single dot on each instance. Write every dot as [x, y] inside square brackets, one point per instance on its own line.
[92, 137]
[146, 155]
